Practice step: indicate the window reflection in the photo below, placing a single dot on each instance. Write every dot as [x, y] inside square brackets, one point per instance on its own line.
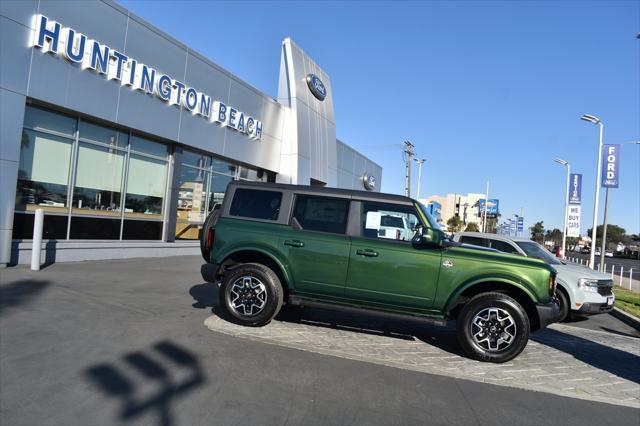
[43, 172]
[145, 187]
[98, 180]
[218, 187]
[118, 181]
[41, 119]
[105, 135]
[192, 194]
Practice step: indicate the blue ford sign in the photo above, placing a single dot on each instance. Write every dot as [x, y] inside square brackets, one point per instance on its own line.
[575, 188]
[317, 87]
[610, 165]
[492, 210]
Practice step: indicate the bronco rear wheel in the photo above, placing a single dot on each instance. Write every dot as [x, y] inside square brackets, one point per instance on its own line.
[493, 327]
[251, 294]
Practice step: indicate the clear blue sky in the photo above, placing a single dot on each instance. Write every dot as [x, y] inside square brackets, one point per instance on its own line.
[485, 90]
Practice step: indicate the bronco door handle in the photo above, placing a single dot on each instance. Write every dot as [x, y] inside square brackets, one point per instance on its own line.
[293, 243]
[367, 252]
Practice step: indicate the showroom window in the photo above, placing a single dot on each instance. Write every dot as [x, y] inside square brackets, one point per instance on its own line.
[43, 172]
[203, 182]
[194, 181]
[104, 182]
[146, 185]
[96, 181]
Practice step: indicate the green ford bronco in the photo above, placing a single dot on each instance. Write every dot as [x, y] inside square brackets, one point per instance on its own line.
[269, 244]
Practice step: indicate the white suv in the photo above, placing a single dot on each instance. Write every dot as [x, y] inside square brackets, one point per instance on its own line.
[580, 289]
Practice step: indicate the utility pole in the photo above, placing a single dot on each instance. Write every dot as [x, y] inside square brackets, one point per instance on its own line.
[407, 155]
[420, 163]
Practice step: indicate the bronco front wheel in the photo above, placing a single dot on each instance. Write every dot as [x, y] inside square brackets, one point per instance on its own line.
[493, 327]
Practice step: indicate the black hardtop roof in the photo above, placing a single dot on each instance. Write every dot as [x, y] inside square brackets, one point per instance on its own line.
[352, 193]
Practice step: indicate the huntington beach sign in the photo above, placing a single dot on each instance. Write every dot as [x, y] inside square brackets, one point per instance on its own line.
[51, 37]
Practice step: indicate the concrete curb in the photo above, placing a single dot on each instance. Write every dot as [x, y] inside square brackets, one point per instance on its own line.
[626, 317]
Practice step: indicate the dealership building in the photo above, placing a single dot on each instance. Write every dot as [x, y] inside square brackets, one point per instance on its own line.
[127, 138]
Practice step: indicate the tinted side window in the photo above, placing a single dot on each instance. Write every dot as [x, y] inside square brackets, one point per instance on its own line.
[388, 221]
[503, 246]
[474, 241]
[321, 213]
[256, 204]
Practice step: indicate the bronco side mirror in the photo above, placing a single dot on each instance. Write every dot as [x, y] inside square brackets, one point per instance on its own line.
[428, 237]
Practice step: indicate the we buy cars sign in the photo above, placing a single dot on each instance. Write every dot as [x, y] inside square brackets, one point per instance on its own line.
[573, 222]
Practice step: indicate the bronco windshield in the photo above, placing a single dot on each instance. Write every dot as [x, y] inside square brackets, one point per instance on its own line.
[534, 249]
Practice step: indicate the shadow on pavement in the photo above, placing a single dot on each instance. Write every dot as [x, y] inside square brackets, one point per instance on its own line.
[206, 296]
[19, 293]
[115, 381]
[620, 333]
[622, 364]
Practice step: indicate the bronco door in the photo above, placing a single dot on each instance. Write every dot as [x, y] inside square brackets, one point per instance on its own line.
[385, 269]
[316, 245]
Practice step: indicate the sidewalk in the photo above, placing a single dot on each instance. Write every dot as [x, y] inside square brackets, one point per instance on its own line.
[633, 285]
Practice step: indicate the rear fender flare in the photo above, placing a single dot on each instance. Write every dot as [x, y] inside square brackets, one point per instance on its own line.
[265, 251]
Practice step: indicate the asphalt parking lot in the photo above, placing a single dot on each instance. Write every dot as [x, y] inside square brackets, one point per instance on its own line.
[140, 342]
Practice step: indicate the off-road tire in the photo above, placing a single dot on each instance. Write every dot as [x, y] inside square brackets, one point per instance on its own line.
[478, 304]
[273, 288]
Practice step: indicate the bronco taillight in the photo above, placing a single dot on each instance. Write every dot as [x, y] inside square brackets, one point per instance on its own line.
[552, 285]
[210, 236]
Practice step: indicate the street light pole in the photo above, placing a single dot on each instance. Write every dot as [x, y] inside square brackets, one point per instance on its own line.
[595, 120]
[566, 205]
[420, 163]
[486, 206]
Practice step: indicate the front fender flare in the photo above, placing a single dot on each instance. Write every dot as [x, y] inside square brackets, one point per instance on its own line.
[487, 280]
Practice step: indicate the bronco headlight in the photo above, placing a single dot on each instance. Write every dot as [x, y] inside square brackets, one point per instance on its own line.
[588, 284]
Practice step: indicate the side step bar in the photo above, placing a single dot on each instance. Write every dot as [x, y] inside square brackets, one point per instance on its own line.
[297, 301]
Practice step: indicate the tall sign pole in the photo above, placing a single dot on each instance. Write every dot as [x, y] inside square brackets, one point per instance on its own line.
[408, 155]
[609, 180]
[420, 163]
[592, 255]
[486, 205]
[566, 214]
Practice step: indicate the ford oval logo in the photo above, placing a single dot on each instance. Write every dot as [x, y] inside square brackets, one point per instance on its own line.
[369, 182]
[317, 87]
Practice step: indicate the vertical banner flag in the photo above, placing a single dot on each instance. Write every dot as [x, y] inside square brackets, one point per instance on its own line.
[575, 188]
[520, 224]
[610, 165]
[573, 222]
